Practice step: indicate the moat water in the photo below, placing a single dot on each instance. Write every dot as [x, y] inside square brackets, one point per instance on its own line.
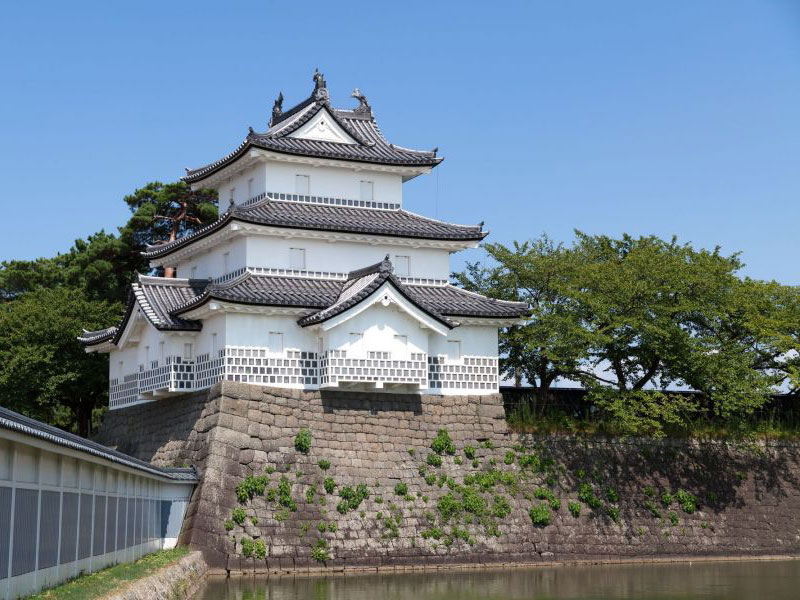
[755, 580]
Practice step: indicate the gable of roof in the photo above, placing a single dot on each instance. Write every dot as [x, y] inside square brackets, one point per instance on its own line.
[360, 286]
[157, 297]
[370, 144]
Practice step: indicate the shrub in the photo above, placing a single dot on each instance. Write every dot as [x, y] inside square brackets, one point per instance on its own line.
[442, 443]
[254, 520]
[432, 532]
[651, 506]
[324, 464]
[476, 463]
[649, 491]
[342, 507]
[250, 486]
[401, 489]
[613, 513]
[285, 494]
[321, 527]
[302, 441]
[666, 499]
[473, 502]
[612, 495]
[329, 484]
[673, 517]
[501, 507]
[310, 493]
[271, 495]
[448, 506]
[269, 469]
[430, 478]
[529, 461]
[469, 452]
[259, 549]
[687, 501]
[509, 457]
[238, 516]
[228, 525]
[458, 460]
[540, 515]
[434, 460]
[586, 495]
[247, 547]
[332, 527]
[574, 509]
[319, 551]
[488, 445]
[412, 451]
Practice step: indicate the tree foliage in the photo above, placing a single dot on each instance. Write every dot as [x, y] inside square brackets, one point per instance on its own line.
[627, 316]
[44, 304]
[44, 372]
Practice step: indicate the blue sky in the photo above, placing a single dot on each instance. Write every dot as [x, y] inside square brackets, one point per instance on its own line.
[679, 117]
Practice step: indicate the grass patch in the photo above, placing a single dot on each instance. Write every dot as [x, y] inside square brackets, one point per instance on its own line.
[113, 578]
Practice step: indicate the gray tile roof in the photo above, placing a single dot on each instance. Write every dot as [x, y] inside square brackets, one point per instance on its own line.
[13, 421]
[371, 146]
[168, 299]
[157, 297]
[321, 217]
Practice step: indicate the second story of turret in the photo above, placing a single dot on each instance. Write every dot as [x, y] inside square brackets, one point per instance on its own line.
[319, 193]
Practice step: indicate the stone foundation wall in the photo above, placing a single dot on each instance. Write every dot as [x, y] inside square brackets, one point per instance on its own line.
[733, 500]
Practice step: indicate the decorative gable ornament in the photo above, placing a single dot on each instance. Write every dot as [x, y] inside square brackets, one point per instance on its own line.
[323, 128]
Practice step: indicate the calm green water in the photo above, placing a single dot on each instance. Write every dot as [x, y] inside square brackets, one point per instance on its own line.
[702, 581]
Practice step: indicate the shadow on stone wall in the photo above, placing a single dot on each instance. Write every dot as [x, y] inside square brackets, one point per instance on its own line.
[370, 402]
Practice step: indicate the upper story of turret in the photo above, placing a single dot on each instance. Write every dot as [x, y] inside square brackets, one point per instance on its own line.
[320, 191]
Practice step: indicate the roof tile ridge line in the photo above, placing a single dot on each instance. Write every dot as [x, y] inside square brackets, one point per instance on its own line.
[208, 293]
[64, 438]
[144, 304]
[190, 173]
[311, 99]
[159, 280]
[408, 293]
[478, 227]
[288, 121]
[353, 300]
[379, 131]
[460, 289]
[369, 269]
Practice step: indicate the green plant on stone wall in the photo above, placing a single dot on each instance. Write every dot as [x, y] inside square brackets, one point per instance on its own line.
[401, 489]
[269, 469]
[324, 464]
[457, 460]
[319, 551]
[259, 549]
[442, 444]
[321, 527]
[250, 487]
[285, 494]
[612, 495]
[587, 496]
[540, 515]
[687, 501]
[509, 457]
[310, 494]
[500, 507]
[613, 513]
[247, 547]
[238, 515]
[488, 445]
[651, 506]
[673, 517]
[476, 463]
[430, 478]
[329, 484]
[574, 509]
[666, 499]
[649, 491]
[469, 452]
[228, 525]
[434, 460]
[302, 441]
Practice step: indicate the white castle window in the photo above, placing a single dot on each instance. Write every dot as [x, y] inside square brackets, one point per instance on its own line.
[225, 261]
[302, 184]
[401, 265]
[367, 191]
[454, 349]
[249, 188]
[187, 352]
[275, 341]
[297, 258]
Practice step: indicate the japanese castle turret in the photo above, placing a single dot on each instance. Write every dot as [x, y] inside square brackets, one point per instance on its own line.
[314, 277]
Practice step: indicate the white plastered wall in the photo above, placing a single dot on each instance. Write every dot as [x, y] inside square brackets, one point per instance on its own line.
[273, 252]
[379, 325]
[213, 263]
[475, 341]
[254, 330]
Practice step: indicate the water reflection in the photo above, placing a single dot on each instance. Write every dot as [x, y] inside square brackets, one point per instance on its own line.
[768, 580]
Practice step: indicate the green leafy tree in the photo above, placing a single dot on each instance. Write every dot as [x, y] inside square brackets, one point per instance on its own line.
[167, 211]
[44, 372]
[553, 343]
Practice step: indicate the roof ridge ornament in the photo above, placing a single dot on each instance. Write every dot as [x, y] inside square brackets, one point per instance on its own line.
[386, 265]
[277, 109]
[320, 87]
[363, 105]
